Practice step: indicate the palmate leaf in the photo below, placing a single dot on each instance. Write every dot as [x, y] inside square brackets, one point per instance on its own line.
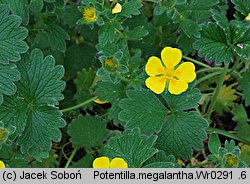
[11, 36]
[33, 109]
[20, 8]
[242, 7]
[87, 131]
[135, 148]
[57, 37]
[182, 130]
[225, 100]
[130, 8]
[222, 41]
[8, 75]
[144, 110]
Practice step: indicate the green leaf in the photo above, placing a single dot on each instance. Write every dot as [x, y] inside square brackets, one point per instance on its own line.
[245, 152]
[71, 14]
[110, 91]
[186, 44]
[107, 32]
[50, 162]
[57, 37]
[8, 75]
[137, 33]
[244, 85]
[87, 131]
[240, 114]
[242, 7]
[201, 10]
[131, 8]
[243, 130]
[12, 36]
[222, 42]
[76, 60]
[225, 99]
[185, 101]
[85, 79]
[84, 83]
[85, 162]
[190, 28]
[33, 109]
[144, 110]
[160, 160]
[20, 8]
[162, 165]
[181, 132]
[113, 93]
[214, 144]
[36, 5]
[88, 2]
[135, 148]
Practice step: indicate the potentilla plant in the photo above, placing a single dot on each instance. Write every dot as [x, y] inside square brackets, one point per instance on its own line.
[124, 83]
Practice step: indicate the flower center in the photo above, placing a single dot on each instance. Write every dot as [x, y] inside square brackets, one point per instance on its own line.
[89, 14]
[169, 72]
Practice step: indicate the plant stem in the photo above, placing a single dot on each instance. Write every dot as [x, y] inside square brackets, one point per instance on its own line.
[196, 62]
[71, 158]
[216, 92]
[207, 77]
[209, 70]
[227, 134]
[78, 105]
[234, 66]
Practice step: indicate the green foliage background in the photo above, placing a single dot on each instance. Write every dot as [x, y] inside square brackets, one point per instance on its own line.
[54, 64]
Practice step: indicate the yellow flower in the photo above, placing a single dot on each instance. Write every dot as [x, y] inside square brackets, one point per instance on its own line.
[98, 101]
[176, 78]
[110, 64]
[104, 162]
[3, 133]
[248, 17]
[117, 8]
[2, 165]
[89, 14]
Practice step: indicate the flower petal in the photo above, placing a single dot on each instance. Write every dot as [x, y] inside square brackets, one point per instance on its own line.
[2, 165]
[177, 87]
[156, 84]
[118, 163]
[154, 66]
[171, 56]
[101, 162]
[117, 8]
[185, 72]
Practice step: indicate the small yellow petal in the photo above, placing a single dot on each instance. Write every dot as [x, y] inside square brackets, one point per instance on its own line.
[185, 72]
[117, 8]
[2, 165]
[89, 14]
[98, 101]
[177, 87]
[101, 162]
[154, 66]
[248, 17]
[118, 163]
[156, 84]
[171, 56]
